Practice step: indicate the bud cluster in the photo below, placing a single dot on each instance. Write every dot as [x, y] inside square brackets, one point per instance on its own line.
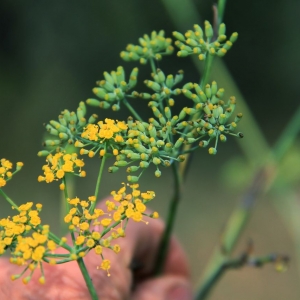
[151, 47]
[69, 125]
[163, 87]
[204, 42]
[113, 89]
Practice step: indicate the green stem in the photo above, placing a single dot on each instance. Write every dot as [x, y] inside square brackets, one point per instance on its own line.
[165, 240]
[67, 205]
[87, 279]
[152, 64]
[221, 9]
[207, 70]
[10, 201]
[92, 207]
[132, 110]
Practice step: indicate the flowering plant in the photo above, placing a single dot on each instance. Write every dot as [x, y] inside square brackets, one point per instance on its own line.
[206, 118]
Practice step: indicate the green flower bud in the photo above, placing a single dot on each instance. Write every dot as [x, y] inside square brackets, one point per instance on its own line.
[212, 151]
[125, 55]
[182, 114]
[104, 105]
[93, 102]
[113, 169]
[179, 143]
[222, 38]
[222, 29]
[208, 91]
[208, 30]
[63, 136]
[182, 53]
[160, 76]
[221, 52]
[162, 119]
[121, 163]
[62, 120]
[110, 97]
[198, 31]
[140, 148]
[174, 120]
[157, 173]
[223, 138]
[191, 140]
[178, 77]
[156, 160]
[93, 118]
[51, 130]
[144, 164]
[156, 112]
[43, 153]
[120, 75]
[238, 117]
[100, 92]
[109, 78]
[145, 95]
[132, 179]
[233, 37]
[132, 169]
[153, 85]
[168, 112]
[203, 144]
[202, 57]
[222, 119]
[179, 36]
[154, 122]
[115, 107]
[52, 142]
[170, 81]
[168, 147]
[214, 88]
[133, 78]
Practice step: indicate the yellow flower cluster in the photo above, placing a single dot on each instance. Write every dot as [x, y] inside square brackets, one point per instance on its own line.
[26, 250]
[132, 205]
[5, 171]
[109, 130]
[59, 164]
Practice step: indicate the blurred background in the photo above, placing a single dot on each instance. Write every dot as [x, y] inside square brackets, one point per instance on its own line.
[52, 53]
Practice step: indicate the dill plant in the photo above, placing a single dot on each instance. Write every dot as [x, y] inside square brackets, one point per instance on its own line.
[165, 140]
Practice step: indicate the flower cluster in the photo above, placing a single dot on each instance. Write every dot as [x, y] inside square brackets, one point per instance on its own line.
[26, 249]
[59, 164]
[151, 47]
[96, 229]
[113, 89]
[5, 171]
[68, 127]
[103, 136]
[163, 87]
[194, 42]
[212, 115]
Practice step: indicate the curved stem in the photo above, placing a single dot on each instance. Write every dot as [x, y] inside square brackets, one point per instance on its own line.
[165, 240]
[10, 201]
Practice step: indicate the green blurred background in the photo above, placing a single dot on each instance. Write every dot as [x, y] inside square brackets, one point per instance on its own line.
[51, 54]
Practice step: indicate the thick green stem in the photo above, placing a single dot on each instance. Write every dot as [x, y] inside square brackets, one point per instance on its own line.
[152, 64]
[207, 70]
[132, 110]
[165, 241]
[87, 279]
[221, 10]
